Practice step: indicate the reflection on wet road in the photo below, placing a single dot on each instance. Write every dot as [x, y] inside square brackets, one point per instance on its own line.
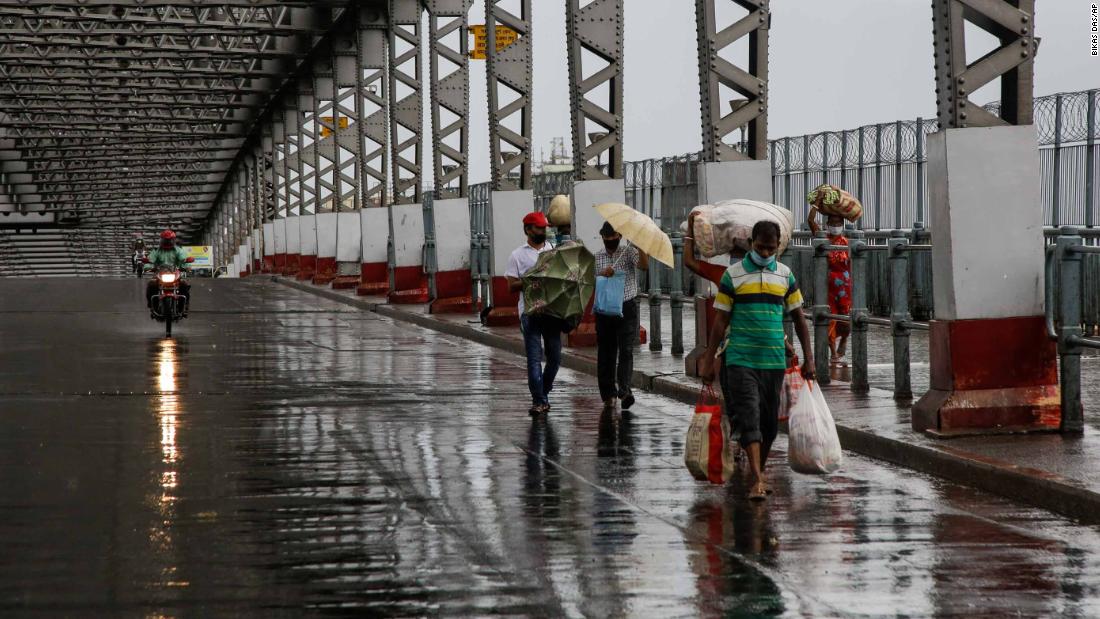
[285, 454]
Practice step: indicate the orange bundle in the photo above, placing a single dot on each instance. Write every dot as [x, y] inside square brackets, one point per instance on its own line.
[832, 200]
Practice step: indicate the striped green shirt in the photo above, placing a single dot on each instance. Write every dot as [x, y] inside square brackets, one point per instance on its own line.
[757, 300]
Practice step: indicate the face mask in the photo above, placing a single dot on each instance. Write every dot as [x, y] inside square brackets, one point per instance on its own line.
[761, 261]
[611, 245]
[836, 230]
[538, 238]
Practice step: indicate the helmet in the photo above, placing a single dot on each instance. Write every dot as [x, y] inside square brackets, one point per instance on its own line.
[167, 235]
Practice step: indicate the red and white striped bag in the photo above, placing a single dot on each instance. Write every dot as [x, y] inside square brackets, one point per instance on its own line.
[708, 452]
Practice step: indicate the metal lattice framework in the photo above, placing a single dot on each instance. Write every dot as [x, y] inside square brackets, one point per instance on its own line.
[510, 68]
[122, 117]
[752, 84]
[450, 95]
[596, 28]
[406, 109]
[1013, 23]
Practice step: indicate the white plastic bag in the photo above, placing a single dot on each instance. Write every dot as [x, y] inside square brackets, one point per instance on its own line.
[813, 445]
[721, 227]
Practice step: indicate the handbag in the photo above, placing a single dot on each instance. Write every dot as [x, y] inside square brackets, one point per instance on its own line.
[708, 451]
[610, 293]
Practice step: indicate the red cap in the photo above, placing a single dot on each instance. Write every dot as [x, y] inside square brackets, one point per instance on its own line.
[535, 219]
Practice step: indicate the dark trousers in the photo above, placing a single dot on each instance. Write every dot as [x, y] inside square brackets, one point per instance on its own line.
[615, 338]
[541, 337]
[754, 403]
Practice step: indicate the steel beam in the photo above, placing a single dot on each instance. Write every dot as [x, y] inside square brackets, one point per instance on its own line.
[450, 92]
[1013, 23]
[715, 71]
[406, 100]
[596, 28]
[509, 73]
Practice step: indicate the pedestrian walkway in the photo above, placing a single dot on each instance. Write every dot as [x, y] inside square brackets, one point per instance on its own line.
[288, 454]
[1050, 471]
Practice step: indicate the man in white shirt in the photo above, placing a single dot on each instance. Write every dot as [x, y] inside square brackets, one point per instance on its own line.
[538, 331]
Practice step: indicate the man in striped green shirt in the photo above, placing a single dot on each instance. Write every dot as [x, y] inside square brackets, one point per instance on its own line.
[753, 297]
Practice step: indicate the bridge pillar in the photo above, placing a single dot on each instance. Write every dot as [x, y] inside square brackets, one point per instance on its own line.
[993, 367]
[449, 268]
[725, 172]
[596, 30]
[373, 158]
[408, 280]
[511, 196]
[307, 235]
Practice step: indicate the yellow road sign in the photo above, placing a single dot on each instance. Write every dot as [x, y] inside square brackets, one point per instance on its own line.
[505, 37]
[327, 120]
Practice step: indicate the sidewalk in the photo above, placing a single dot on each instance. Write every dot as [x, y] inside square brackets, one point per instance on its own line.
[1048, 471]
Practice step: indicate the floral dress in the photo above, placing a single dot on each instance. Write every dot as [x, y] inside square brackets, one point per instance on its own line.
[840, 278]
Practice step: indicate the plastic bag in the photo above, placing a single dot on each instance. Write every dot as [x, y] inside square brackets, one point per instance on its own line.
[792, 385]
[708, 452]
[721, 227]
[609, 294]
[813, 445]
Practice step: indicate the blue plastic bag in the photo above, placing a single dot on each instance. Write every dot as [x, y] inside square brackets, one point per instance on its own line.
[609, 294]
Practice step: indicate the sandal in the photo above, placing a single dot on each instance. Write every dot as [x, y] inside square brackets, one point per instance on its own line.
[758, 493]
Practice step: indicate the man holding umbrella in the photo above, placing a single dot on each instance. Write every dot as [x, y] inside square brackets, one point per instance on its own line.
[616, 334]
[537, 330]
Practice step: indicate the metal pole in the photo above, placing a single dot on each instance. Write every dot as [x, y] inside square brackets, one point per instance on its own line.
[1090, 158]
[858, 256]
[859, 173]
[844, 159]
[805, 167]
[1069, 318]
[821, 308]
[899, 313]
[824, 157]
[787, 172]
[1055, 215]
[677, 294]
[878, 177]
[920, 169]
[897, 175]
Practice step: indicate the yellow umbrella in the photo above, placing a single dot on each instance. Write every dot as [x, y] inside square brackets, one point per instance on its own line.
[639, 229]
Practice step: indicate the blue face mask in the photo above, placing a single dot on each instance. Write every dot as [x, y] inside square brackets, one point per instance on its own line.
[761, 261]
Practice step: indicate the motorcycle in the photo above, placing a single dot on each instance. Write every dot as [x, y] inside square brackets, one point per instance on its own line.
[169, 303]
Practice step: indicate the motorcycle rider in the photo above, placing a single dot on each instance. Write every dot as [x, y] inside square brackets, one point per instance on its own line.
[167, 254]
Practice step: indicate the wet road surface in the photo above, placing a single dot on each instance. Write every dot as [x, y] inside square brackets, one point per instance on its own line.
[287, 455]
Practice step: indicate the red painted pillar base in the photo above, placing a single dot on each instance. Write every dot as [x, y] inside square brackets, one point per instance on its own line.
[410, 286]
[268, 264]
[374, 279]
[345, 282]
[704, 308]
[585, 334]
[291, 266]
[453, 293]
[990, 376]
[326, 271]
[257, 266]
[279, 264]
[505, 310]
[307, 266]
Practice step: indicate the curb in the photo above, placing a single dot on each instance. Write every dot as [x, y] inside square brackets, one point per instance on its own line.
[1033, 487]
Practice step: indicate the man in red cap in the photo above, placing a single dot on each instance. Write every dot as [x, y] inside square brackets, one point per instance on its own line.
[541, 334]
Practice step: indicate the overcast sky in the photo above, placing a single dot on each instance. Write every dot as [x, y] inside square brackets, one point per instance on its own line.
[835, 64]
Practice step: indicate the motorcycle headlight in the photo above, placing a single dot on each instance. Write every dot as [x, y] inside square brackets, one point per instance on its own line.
[168, 278]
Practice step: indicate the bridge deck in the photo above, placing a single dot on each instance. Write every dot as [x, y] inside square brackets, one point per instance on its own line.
[286, 452]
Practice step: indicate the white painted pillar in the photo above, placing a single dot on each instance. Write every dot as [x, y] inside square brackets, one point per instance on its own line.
[453, 285]
[307, 235]
[409, 282]
[374, 225]
[268, 236]
[326, 248]
[506, 212]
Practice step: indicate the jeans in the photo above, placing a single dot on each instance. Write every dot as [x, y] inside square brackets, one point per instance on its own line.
[541, 336]
[615, 338]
